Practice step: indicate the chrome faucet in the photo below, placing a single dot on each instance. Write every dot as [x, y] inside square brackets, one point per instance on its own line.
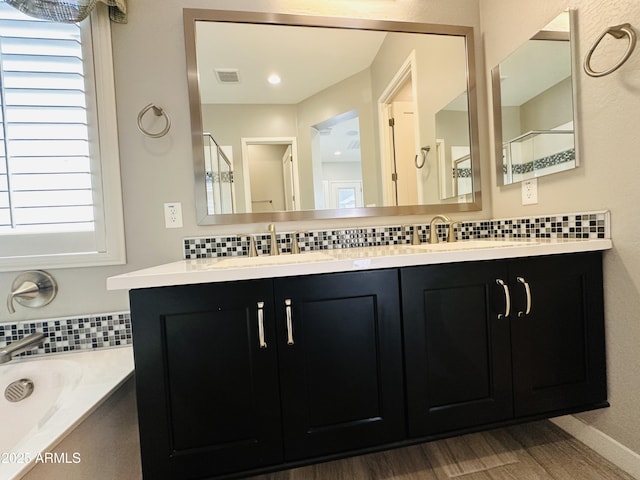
[273, 249]
[20, 346]
[433, 232]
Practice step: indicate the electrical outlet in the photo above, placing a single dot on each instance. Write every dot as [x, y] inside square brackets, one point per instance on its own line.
[173, 215]
[530, 192]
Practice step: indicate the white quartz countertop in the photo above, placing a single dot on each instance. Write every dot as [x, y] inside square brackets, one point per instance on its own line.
[225, 269]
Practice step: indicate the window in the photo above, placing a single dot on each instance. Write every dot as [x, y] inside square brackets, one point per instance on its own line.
[60, 198]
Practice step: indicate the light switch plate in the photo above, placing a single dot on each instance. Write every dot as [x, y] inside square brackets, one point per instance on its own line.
[530, 192]
[173, 215]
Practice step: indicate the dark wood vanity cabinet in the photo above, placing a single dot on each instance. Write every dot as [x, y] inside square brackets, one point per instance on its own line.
[486, 342]
[207, 393]
[457, 352]
[216, 395]
[235, 378]
[558, 347]
[341, 365]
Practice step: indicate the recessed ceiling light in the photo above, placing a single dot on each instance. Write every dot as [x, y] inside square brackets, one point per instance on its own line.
[274, 79]
[337, 153]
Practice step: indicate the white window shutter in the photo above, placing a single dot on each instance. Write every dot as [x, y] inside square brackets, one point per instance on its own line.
[52, 200]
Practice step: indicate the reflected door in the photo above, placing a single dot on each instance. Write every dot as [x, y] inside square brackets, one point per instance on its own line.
[404, 152]
[269, 174]
[290, 199]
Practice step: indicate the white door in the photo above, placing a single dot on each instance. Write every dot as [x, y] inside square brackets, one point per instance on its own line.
[288, 179]
[405, 151]
[274, 188]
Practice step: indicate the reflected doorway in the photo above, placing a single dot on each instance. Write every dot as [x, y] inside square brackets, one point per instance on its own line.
[336, 162]
[270, 174]
[402, 177]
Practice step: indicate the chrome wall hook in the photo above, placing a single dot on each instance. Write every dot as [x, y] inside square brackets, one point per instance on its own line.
[619, 32]
[424, 152]
[159, 112]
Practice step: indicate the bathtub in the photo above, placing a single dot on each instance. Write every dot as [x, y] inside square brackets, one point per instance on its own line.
[67, 388]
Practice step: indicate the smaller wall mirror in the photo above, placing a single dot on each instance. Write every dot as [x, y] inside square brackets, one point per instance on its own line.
[534, 105]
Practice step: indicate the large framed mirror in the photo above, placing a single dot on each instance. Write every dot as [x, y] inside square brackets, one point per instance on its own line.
[301, 117]
[534, 105]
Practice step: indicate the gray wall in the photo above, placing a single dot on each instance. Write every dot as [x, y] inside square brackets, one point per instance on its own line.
[606, 179]
[150, 67]
[229, 123]
[353, 93]
[551, 108]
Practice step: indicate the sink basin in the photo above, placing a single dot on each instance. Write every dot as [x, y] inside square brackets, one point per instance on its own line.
[471, 245]
[267, 260]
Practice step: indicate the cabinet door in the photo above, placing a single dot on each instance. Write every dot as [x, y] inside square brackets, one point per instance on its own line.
[340, 362]
[457, 346]
[208, 399]
[558, 347]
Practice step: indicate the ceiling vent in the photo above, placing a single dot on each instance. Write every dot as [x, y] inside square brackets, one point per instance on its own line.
[227, 75]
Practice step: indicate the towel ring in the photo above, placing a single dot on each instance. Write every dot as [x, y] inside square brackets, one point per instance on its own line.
[159, 112]
[618, 31]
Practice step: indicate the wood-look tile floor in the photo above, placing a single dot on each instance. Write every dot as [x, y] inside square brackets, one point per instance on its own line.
[533, 451]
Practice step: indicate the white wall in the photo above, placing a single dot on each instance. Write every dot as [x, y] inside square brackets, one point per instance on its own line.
[609, 114]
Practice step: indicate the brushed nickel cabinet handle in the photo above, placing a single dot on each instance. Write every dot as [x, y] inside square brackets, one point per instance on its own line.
[507, 299]
[287, 304]
[527, 291]
[261, 340]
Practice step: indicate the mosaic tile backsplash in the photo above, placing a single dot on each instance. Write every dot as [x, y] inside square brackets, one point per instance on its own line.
[72, 334]
[589, 225]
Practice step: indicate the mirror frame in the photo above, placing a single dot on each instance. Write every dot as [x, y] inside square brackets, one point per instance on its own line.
[496, 95]
[191, 16]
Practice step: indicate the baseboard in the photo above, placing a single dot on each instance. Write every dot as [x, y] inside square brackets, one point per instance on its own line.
[621, 456]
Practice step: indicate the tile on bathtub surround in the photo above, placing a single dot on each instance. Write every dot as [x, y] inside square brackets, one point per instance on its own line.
[72, 334]
[575, 225]
[544, 162]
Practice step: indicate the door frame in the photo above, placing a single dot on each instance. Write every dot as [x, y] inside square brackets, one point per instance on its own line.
[291, 141]
[408, 70]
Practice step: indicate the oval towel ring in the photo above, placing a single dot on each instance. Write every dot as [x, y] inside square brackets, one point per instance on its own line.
[618, 31]
[159, 113]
